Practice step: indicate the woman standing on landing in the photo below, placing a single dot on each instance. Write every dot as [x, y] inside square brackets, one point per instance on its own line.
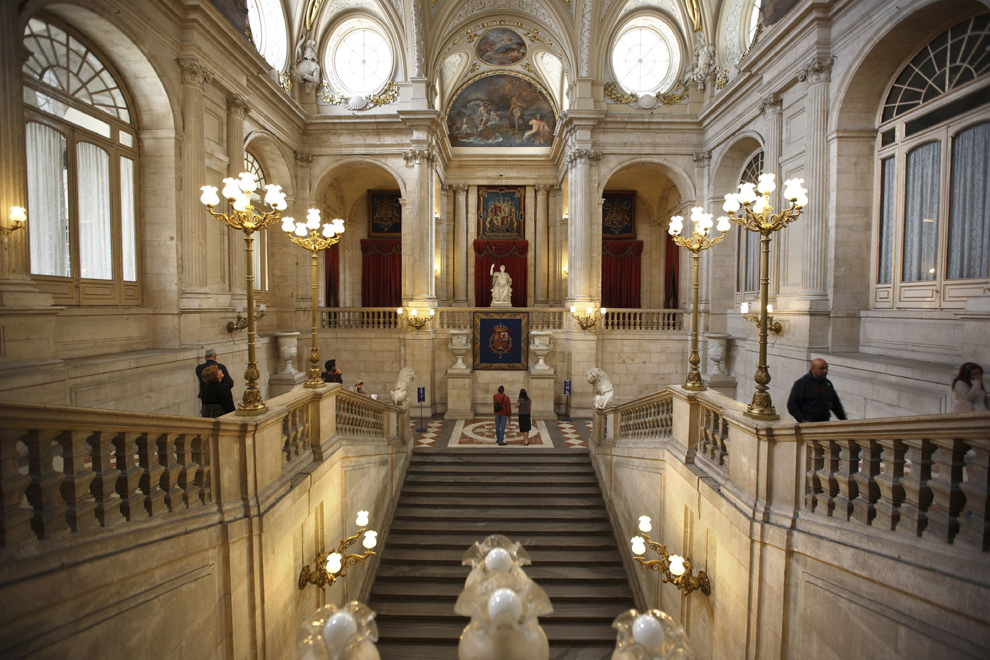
[523, 405]
[968, 390]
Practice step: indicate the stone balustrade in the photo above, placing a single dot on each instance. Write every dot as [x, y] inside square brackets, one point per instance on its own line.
[670, 320]
[360, 318]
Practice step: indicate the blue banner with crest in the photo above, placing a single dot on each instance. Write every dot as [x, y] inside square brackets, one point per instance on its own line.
[501, 340]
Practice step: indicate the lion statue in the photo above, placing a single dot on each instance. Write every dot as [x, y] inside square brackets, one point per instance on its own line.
[400, 393]
[603, 387]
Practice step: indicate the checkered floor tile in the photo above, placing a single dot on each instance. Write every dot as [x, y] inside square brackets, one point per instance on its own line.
[429, 437]
[571, 435]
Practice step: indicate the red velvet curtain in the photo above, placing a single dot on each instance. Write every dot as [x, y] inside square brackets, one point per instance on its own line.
[670, 279]
[512, 255]
[621, 277]
[381, 272]
[331, 258]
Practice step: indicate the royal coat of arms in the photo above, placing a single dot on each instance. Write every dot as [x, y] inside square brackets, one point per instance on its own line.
[501, 340]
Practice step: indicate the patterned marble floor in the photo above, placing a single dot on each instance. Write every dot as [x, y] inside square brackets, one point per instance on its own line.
[480, 433]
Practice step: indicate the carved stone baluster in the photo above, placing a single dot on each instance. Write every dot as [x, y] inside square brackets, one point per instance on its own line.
[187, 471]
[48, 520]
[813, 487]
[845, 477]
[130, 476]
[974, 529]
[947, 498]
[864, 506]
[80, 506]
[105, 478]
[15, 522]
[825, 500]
[917, 492]
[201, 457]
[151, 474]
[171, 472]
[890, 483]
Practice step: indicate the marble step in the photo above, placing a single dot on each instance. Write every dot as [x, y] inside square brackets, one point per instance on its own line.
[532, 542]
[498, 512]
[394, 552]
[419, 650]
[422, 590]
[562, 608]
[475, 500]
[588, 573]
[486, 477]
[510, 528]
[396, 628]
[500, 466]
[502, 490]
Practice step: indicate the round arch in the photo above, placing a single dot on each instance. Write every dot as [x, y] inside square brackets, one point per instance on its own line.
[274, 158]
[730, 161]
[665, 166]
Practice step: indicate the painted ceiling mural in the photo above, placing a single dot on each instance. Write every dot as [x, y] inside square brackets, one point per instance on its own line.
[501, 110]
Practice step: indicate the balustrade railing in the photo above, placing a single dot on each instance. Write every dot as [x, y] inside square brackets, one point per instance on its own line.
[360, 318]
[928, 478]
[358, 416]
[652, 417]
[713, 437]
[670, 320]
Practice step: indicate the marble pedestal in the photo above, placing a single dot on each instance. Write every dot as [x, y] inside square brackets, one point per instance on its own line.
[459, 389]
[723, 385]
[502, 304]
[541, 385]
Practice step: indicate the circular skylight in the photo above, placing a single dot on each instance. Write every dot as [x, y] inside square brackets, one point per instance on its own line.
[645, 58]
[362, 59]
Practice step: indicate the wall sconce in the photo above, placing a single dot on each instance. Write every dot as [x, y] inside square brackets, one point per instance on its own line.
[242, 322]
[331, 565]
[436, 269]
[773, 326]
[414, 319]
[672, 568]
[18, 216]
[564, 269]
[587, 320]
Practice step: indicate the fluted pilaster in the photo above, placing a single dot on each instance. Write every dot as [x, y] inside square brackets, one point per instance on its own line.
[581, 207]
[418, 230]
[542, 247]
[460, 245]
[817, 74]
[771, 107]
[193, 267]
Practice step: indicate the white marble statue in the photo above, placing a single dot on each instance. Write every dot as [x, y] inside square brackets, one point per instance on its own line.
[307, 66]
[501, 286]
[603, 387]
[400, 393]
[704, 65]
[345, 633]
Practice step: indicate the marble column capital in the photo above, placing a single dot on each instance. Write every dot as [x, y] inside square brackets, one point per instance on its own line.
[461, 189]
[416, 157]
[578, 155]
[771, 105]
[238, 104]
[194, 72]
[702, 158]
[303, 157]
[818, 71]
[542, 189]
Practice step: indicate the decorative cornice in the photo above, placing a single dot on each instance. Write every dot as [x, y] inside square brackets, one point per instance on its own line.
[771, 104]
[417, 157]
[582, 154]
[819, 70]
[194, 72]
[238, 104]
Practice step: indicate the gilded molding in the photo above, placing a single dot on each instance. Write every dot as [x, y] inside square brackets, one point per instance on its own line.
[614, 94]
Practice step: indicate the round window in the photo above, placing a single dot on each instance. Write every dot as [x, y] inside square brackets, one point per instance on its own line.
[645, 58]
[362, 61]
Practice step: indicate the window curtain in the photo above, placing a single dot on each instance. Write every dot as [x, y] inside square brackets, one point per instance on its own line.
[969, 204]
[381, 272]
[670, 276]
[94, 190]
[127, 220]
[331, 260]
[621, 274]
[48, 201]
[921, 212]
[888, 190]
[512, 255]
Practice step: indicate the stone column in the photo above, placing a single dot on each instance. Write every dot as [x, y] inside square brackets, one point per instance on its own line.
[817, 74]
[445, 292]
[460, 245]
[554, 263]
[417, 230]
[541, 250]
[237, 110]
[773, 118]
[581, 208]
[193, 244]
[13, 176]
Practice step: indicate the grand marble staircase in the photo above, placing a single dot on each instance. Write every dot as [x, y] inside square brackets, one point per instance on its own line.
[548, 500]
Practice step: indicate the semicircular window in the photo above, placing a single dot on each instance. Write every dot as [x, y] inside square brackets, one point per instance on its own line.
[268, 31]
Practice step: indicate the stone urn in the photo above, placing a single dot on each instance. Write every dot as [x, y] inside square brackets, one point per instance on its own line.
[717, 349]
[460, 343]
[287, 348]
[542, 344]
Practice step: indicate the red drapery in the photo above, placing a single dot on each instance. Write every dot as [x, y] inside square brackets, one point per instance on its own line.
[512, 255]
[670, 278]
[331, 258]
[381, 272]
[621, 274]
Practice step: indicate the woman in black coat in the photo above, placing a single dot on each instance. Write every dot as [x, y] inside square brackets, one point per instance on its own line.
[217, 399]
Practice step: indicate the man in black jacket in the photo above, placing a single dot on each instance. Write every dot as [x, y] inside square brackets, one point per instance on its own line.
[211, 358]
[813, 398]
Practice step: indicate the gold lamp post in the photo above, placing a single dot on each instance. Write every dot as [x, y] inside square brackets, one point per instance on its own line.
[308, 235]
[757, 215]
[700, 239]
[243, 218]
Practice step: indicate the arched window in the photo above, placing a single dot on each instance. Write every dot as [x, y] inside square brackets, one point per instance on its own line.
[748, 242]
[260, 252]
[82, 164]
[755, 22]
[358, 58]
[268, 31]
[932, 236]
[645, 56]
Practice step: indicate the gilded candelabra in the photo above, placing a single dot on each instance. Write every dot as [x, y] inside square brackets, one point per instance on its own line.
[757, 215]
[243, 218]
[672, 568]
[18, 216]
[700, 239]
[772, 326]
[330, 565]
[309, 235]
[413, 319]
[588, 320]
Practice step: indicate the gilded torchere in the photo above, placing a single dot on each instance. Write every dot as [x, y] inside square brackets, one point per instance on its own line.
[699, 240]
[242, 217]
[309, 235]
[757, 215]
